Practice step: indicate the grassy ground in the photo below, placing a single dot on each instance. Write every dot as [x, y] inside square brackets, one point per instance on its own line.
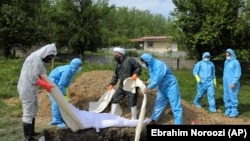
[10, 114]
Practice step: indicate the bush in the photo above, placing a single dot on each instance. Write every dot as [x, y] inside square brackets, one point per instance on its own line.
[132, 54]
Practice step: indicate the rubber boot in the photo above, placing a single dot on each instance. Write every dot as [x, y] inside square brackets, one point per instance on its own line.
[27, 129]
[113, 108]
[134, 112]
[33, 128]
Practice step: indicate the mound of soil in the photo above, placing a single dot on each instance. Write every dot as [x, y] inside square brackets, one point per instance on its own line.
[90, 86]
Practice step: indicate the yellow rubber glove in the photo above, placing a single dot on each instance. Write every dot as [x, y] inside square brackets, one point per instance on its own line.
[134, 76]
[198, 80]
[67, 94]
[215, 83]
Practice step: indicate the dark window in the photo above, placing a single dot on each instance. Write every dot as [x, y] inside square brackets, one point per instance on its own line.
[150, 44]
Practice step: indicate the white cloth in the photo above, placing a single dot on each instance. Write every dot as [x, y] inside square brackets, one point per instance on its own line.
[130, 85]
[103, 120]
[103, 102]
[120, 50]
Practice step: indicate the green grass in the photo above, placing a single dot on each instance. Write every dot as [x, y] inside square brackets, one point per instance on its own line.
[10, 70]
[10, 115]
[187, 85]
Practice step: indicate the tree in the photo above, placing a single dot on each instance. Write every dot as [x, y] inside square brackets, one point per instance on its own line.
[77, 24]
[209, 25]
[123, 24]
[18, 24]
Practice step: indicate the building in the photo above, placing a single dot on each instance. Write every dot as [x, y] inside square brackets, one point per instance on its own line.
[158, 44]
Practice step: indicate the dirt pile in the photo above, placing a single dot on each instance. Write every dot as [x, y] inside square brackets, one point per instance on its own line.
[91, 85]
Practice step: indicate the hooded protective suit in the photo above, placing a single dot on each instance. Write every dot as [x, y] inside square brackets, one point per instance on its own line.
[231, 75]
[32, 68]
[62, 77]
[205, 70]
[168, 89]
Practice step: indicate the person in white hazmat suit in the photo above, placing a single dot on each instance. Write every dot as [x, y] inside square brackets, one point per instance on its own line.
[28, 85]
[204, 73]
[62, 77]
[161, 77]
[103, 120]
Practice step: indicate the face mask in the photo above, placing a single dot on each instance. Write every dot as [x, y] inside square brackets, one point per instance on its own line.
[48, 58]
[206, 59]
[79, 69]
[228, 57]
[117, 58]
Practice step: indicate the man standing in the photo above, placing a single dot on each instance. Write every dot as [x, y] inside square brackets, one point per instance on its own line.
[125, 67]
[28, 85]
[62, 77]
[168, 88]
[231, 84]
[204, 72]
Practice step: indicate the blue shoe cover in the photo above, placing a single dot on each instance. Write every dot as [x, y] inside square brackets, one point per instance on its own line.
[212, 110]
[55, 122]
[227, 112]
[61, 125]
[196, 104]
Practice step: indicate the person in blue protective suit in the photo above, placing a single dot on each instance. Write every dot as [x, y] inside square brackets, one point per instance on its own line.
[204, 72]
[28, 86]
[231, 84]
[62, 77]
[168, 88]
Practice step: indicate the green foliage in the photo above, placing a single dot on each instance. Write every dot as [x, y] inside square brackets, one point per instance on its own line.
[18, 24]
[211, 26]
[123, 24]
[10, 114]
[188, 87]
[9, 75]
[87, 66]
[132, 53]
[144, 75]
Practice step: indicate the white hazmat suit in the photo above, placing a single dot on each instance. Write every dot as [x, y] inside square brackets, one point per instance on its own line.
[28, 85]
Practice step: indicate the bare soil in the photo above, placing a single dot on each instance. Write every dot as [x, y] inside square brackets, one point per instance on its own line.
[91, 85]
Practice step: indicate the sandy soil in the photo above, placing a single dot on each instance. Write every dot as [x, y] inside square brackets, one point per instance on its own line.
[91, 85]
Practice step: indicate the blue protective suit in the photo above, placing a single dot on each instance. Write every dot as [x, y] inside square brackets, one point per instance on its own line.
[62, 76]
[206, 72]
[231, 75]
[168, 89]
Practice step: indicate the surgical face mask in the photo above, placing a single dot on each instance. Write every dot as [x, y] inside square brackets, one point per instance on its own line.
[206, 59]
[79, 69]
[228, 57]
